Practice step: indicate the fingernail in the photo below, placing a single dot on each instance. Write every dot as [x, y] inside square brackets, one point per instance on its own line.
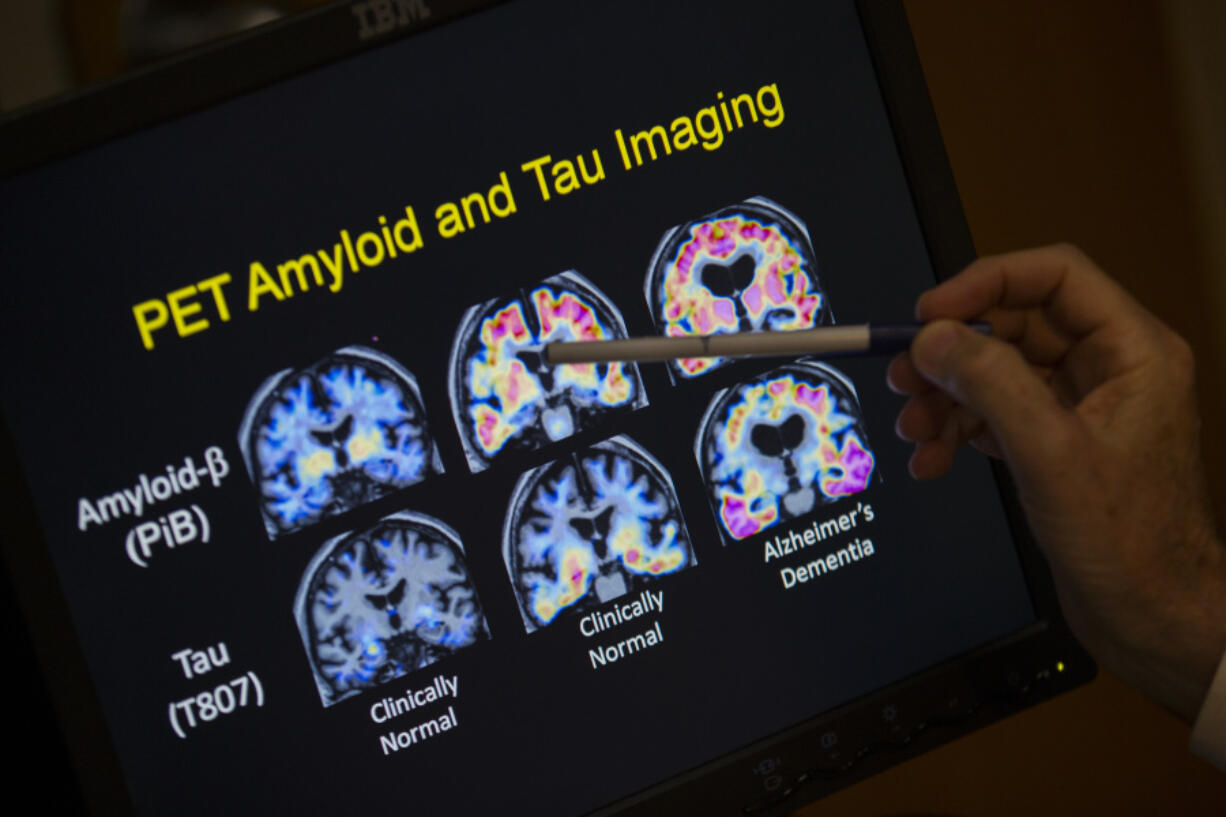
[932, 345]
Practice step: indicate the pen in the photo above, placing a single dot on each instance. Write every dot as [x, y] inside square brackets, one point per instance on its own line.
[826, 341]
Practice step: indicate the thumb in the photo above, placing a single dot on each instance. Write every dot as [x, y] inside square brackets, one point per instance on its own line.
[992, 379]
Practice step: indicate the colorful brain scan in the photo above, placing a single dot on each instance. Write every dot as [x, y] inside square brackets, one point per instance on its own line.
[380, 603]
[743, 268]
[340, 433]
[781, 445]
[504, 397]
[589, 527]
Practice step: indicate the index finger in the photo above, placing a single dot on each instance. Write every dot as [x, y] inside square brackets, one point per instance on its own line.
[1074, 294]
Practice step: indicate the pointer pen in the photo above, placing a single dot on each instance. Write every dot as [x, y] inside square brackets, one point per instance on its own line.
[826, 341]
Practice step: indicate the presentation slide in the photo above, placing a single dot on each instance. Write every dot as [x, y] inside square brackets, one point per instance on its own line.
[334, 536]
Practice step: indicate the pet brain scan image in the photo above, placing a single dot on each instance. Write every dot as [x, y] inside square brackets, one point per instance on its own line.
[744, 268]
[380, 603]
[781, 445]
[589, 527]
[504, 397]
[337, 434]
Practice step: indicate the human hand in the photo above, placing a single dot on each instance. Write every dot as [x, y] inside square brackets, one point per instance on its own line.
[1088, 398]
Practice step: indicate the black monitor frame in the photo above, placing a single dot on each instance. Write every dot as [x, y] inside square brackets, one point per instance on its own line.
[801, 763]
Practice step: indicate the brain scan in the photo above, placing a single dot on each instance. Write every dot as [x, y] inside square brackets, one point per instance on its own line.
[341, 432]
[504, 397]
[781, 445]
[743, 268]
[380, 603]
[589, 527]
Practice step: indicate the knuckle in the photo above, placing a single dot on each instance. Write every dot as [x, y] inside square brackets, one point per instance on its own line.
[1181, 351]
[1070, 252]
[1180, 359]
[1074, 259]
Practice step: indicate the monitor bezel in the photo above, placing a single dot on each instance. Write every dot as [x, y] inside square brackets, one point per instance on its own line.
[1000, 677]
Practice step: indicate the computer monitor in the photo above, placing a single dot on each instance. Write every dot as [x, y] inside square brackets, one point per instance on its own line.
[305, 522]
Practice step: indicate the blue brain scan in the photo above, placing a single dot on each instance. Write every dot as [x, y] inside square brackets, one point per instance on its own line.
[506, 398]
[590, 527]
[380, 603]
[342, 432]
[780, 445]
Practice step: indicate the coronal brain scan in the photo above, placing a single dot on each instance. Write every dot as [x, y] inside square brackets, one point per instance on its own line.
[743, 268]
[342, 432]
[780, 445]
[589, 527]
[504, 397]
[380, 603]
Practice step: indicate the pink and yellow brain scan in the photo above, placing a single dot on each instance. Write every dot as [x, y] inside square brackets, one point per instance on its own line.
[780, 446]
[377, 604]
[590, 527]
[342, 432]
[745, 268]
[506, 398]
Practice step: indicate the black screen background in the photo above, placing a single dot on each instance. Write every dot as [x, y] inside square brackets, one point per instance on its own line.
[277, 173]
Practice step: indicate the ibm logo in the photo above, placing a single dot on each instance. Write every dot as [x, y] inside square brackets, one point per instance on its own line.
[381, 16]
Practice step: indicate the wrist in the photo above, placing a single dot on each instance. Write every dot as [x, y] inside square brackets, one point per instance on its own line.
[1206, 630]
[1188, 638]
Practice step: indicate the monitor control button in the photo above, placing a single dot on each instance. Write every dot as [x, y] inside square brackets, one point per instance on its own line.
[767, 766]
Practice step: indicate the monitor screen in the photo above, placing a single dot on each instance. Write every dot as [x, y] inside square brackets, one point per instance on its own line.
[331, 532]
